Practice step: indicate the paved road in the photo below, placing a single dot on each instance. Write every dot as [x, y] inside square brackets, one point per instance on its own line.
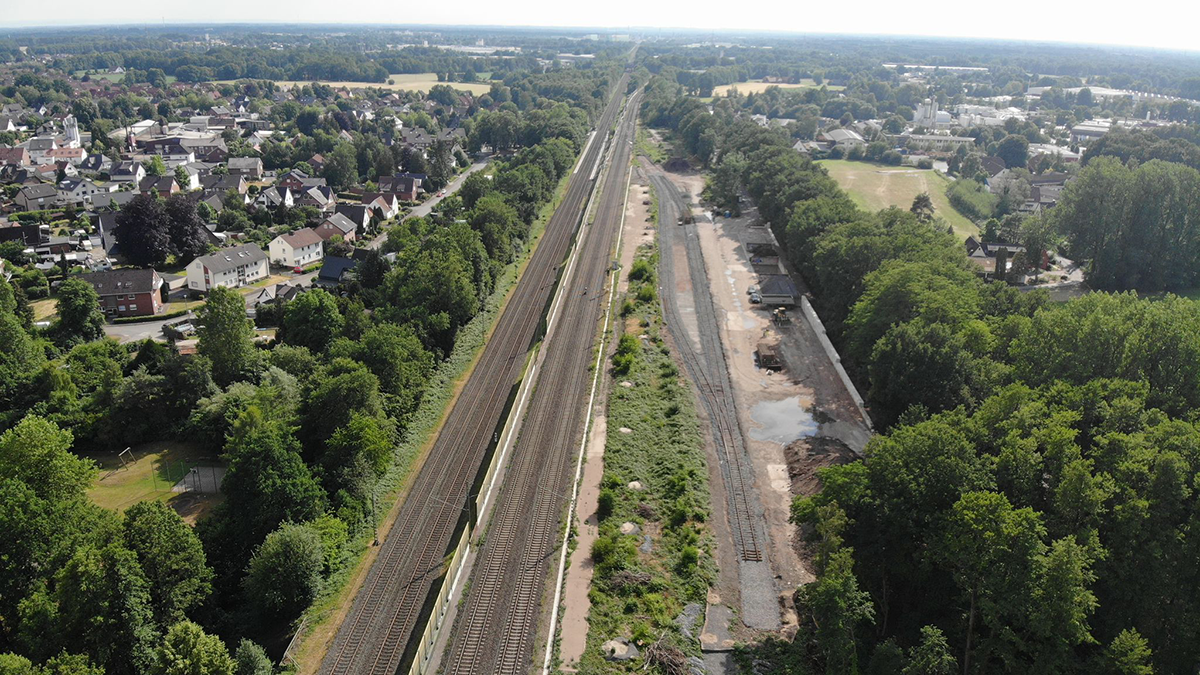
[424, 209]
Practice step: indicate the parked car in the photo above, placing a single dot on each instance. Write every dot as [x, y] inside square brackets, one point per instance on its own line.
[755, 298]
[753, 290]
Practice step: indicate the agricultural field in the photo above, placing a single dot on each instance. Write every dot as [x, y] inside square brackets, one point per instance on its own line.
[875, 186]
[409, 82]
[758, 86]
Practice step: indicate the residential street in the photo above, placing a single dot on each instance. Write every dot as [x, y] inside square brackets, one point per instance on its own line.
[424, 209]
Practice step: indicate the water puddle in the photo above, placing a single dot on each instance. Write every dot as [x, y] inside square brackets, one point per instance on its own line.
[781, 421]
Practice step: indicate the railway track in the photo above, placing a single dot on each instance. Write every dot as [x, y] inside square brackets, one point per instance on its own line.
[377, 635]
[497, 626]
[708, 369]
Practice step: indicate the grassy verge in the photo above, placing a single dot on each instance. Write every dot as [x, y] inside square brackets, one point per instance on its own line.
[644, 145]
[638, 592]
[323, 617]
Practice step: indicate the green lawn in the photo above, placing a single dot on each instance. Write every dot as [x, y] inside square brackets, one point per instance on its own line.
[150, 475]
[44, 309]
[877, 186]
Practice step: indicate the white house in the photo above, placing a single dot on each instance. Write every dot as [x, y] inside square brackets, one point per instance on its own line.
[73, 155]
[233, 267]
[80, 190]
[174, 155]
[39, 148]
[297, 249]
[128, 172]
[274, 197]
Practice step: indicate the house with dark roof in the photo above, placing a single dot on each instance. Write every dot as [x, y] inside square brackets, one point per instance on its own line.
[320, 197]
[335, 270]
[985, 255]
[298, 181]
[29, 234]
[277, 294]
[358, 214]
[95, 164]
[106, 232]
[406, 186]
[128, 292]
[165, 185]
[232, 267]
[36, 197]
[224, 183]
[39, 148]
[111, 200]
[274, 197]
[336, 225]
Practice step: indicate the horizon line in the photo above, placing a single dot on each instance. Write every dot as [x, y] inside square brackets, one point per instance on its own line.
[682, 30]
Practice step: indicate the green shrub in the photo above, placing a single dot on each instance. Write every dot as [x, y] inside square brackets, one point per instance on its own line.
[604, 503]
[642, 270]
[971, 199]
[646, 294]
[689, 557]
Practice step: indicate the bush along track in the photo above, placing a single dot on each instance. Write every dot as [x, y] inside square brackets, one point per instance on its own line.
[653, 563]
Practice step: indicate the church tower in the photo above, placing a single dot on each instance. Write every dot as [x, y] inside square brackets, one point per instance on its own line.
[71, 129]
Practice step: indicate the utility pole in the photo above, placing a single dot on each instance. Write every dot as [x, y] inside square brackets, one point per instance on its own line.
[374, 520]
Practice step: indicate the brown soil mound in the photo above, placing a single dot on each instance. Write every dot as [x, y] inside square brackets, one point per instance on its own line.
[806, 455]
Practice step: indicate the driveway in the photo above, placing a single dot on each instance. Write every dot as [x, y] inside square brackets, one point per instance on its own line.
[135, 332]
[425, 208]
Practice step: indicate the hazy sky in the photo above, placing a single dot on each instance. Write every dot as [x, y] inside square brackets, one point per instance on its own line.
[1098, 21]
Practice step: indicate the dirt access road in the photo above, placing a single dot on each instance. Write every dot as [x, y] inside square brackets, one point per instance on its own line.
[793, 421]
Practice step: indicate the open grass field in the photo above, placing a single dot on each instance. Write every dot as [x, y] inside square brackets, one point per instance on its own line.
[409, 82]
[876, 186]
[758, 86]
[150, 475]
[44, 309]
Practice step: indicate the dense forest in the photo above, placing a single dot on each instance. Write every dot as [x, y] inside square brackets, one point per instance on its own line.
[1029, 506]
